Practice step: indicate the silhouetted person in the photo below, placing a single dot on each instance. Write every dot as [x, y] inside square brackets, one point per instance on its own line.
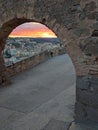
[51, 53]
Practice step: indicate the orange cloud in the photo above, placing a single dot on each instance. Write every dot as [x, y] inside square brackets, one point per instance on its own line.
[32, 30]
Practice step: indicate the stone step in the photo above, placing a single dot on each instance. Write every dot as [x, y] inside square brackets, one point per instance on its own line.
[56, 125]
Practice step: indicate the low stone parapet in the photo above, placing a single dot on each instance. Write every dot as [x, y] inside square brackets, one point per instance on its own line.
[34, 60]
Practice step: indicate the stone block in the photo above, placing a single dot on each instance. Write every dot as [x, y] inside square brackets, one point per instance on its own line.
[85, 113]
[92, 113]
[80, 111]
[82, 82]
[87, 98]
[87, 91]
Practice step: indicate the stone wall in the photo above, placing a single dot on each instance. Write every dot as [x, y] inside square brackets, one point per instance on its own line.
[33, 61]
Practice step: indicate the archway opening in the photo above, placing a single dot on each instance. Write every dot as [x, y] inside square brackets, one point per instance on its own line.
[27, 40]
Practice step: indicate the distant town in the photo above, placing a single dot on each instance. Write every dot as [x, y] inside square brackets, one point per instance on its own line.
[17, 49]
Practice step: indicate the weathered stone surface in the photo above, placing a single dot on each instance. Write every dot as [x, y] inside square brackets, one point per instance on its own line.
[90, 45]
[87, 98]
[80, 111]
[86, 113]
[81, 31]
[92, 114]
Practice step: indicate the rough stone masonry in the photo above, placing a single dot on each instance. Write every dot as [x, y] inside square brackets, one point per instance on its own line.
[75, 22]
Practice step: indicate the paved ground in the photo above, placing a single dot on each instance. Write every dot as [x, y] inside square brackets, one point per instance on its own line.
[40, 95]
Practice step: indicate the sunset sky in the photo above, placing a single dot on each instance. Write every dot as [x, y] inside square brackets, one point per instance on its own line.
[32, 30]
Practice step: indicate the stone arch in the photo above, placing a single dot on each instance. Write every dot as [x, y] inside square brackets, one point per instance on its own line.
[69, 19]
[65, 18]
[60, 31]
[8, 27]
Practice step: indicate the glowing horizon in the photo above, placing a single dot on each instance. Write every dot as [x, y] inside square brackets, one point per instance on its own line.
[33, 30]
